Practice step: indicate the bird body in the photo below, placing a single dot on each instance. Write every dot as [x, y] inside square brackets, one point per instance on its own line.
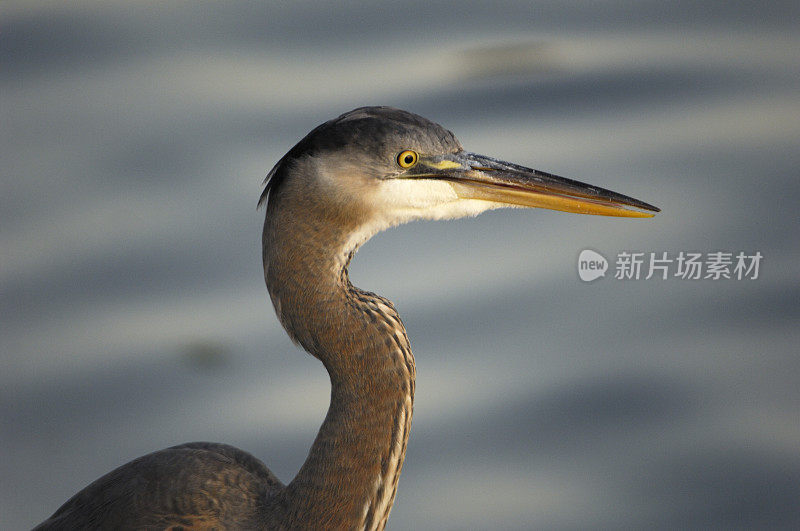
[191, 486]
[348, 179]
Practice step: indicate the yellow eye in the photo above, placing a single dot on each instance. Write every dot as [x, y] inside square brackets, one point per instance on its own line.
[407, 158]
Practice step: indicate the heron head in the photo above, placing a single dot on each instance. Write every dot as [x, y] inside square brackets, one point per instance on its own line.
[384, 166]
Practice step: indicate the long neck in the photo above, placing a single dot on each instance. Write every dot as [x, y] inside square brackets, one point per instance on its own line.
[350, 476]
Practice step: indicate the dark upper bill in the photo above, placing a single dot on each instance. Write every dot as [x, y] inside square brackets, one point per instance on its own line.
[475, 176]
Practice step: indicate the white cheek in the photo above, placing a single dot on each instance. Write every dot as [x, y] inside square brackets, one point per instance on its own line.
[390, 202]
[414, 193]
[462, 208]
[409, 199]
[399, 201]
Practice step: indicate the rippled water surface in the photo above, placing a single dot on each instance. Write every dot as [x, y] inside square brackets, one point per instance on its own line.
[134, 317]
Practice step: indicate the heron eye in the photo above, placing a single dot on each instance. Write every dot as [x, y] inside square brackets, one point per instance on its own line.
[407, 158]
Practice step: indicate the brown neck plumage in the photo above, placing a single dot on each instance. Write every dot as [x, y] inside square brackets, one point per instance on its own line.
[350, 476]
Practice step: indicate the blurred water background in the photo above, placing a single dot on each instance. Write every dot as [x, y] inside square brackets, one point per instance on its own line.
[134, 317]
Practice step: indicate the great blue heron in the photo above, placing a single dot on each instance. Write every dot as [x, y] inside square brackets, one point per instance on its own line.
[351, 177]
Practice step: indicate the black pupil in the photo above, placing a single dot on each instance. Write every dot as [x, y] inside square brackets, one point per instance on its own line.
[408, 159]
